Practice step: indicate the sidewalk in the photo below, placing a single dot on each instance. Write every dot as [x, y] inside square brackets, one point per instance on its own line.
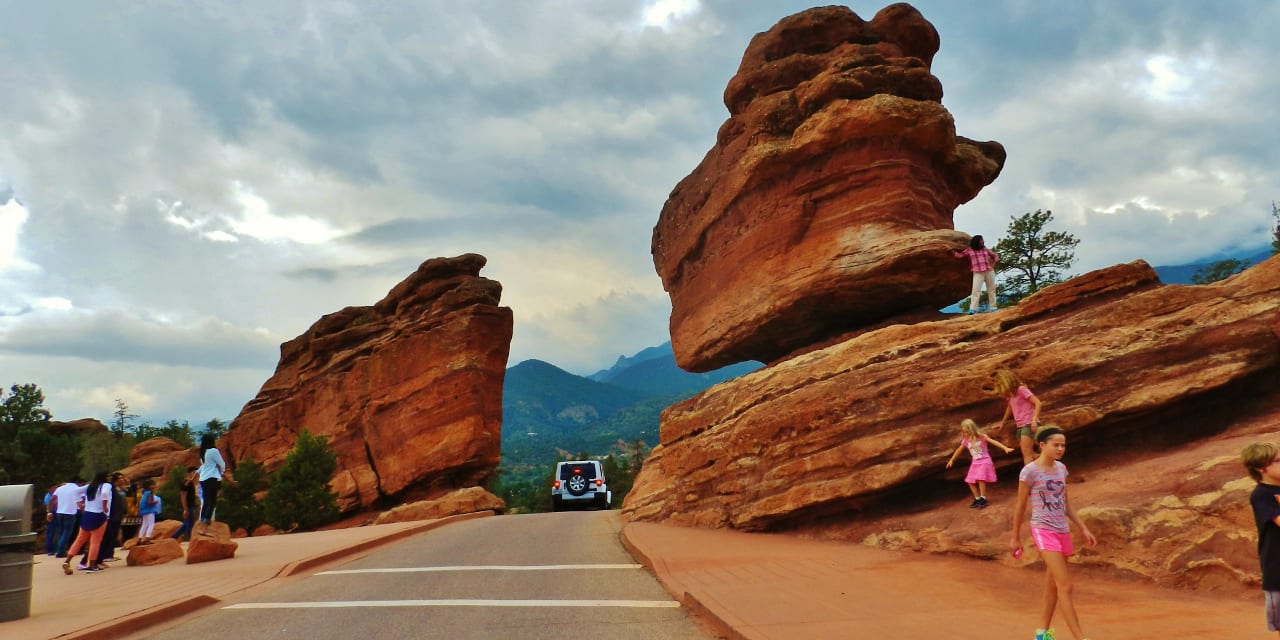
[124, 599]
[747, 586]
[777, 587]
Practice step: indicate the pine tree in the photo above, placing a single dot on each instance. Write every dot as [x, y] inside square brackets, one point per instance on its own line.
[1032, 258]
[299, 495]
[238, 503]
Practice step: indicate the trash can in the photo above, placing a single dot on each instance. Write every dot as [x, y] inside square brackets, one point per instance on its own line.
[17, 551]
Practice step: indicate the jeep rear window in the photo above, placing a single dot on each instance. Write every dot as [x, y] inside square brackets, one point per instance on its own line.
[587, 471]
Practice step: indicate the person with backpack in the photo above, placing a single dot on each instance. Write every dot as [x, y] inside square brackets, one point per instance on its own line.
[149, 506]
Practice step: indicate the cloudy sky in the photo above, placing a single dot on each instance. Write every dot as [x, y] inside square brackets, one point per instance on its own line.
[184, 186]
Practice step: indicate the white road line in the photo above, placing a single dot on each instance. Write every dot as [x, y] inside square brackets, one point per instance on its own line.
[496, 567]
[659, 604]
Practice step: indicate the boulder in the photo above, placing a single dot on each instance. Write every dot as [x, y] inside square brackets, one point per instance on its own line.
[158, 552]
[1115, 356]
[154, 457]
[211, 543]
[826, 203]
[469, 500]
[408, 391]
[263, 530]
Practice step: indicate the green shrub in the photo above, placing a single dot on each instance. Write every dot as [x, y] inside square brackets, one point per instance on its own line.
[238, 505]
[299, 495]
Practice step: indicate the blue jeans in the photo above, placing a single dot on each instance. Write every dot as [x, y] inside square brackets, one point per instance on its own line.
[51, 536]
[188, 521]
[66, 526]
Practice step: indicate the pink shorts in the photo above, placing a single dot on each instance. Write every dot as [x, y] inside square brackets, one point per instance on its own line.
[1047, 540]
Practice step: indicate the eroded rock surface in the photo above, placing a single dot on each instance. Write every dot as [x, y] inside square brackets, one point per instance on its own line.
[407, 391]
[826, 203]
[469, 500]
[845, 432]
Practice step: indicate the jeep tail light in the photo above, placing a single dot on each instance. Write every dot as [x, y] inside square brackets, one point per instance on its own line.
[555, 485]
[599, 482]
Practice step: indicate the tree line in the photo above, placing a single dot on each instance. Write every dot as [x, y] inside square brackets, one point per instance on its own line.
[295, 496]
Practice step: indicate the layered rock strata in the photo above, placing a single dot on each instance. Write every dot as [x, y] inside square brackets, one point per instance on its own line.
[1111, 353]
[826, 203]
[408, 391]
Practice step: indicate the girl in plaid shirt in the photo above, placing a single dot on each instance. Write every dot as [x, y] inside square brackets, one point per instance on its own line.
[982, 261]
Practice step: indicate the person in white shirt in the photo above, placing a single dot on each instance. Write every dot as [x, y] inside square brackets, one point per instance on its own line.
[93, 522]
[212, 468]
[68, 498]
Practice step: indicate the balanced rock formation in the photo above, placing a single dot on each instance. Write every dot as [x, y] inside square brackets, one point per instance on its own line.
[826, 203]
[1121, 361]
[408, 391]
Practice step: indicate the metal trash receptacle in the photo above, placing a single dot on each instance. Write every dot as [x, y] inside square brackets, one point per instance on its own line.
[17, 551]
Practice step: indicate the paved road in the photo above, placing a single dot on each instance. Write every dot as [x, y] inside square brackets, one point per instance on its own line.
[555, 576]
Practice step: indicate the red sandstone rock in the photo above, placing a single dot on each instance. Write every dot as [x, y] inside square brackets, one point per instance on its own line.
[469, 500]
[153, 458]
[158, 552]
[858, 433]
[263, 530]
[407, 391]
[213, 543]
[83, 425]
[826, 203]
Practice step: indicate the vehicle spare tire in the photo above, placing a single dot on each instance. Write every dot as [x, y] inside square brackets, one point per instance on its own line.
[577, 484]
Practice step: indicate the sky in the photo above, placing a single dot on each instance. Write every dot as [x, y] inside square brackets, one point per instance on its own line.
[186, 186]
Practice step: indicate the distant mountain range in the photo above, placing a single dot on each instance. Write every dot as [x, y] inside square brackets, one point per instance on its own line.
[1181, 274]
[546, 409]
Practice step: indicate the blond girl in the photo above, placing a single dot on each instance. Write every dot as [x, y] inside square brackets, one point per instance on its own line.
[1024, 406]
[981, 469]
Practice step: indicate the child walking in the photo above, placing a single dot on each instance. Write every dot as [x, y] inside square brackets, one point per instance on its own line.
[981, 469]
[1262, 461]
[1025, 408]
[148, 507]
[1043, 483]
[982, 261]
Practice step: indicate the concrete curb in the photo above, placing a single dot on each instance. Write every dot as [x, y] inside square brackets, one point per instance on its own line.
[704, 614]
[169, 611]
[143, 619]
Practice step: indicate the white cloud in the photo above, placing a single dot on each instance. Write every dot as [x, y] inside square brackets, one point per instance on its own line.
[186, 206]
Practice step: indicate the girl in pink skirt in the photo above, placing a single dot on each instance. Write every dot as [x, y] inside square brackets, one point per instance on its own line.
[981, 469]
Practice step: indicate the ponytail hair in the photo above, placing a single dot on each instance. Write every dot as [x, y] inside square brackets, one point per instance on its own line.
[99, 479]
[207, 442]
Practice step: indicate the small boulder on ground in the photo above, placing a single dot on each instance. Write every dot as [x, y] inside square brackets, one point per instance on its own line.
[212, 542]
[153, 553]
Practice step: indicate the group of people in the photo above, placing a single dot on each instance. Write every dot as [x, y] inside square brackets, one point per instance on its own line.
[1042, 484]
[89, 516]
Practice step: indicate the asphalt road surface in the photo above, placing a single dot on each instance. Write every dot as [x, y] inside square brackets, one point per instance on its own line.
[554, 576]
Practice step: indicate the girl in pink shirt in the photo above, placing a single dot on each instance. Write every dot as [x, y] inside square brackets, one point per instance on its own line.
[1042, 485]
[982, 262]
[981, 469]
[1025, 408]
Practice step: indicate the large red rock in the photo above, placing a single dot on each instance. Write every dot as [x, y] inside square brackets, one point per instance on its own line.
[408, 392]
[826, 203]
[858, 433]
